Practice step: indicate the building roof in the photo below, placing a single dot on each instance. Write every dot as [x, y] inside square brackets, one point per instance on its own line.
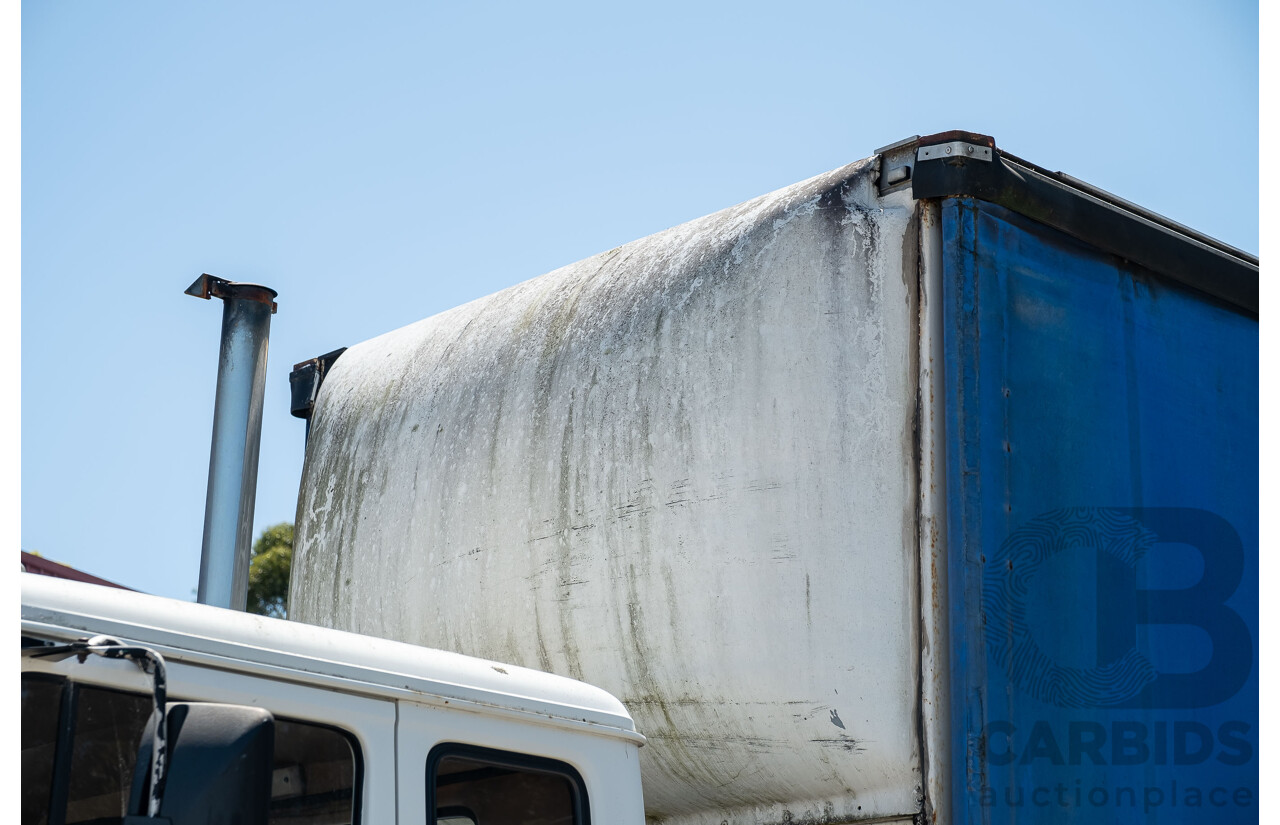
[31, 563]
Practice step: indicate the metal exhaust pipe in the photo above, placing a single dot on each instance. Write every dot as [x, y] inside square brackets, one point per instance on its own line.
[237, 433]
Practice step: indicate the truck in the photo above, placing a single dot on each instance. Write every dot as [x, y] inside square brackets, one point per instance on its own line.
[925, 490]
[356, 729]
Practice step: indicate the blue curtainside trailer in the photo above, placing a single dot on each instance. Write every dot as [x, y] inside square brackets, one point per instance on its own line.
[925, 490]
[1102, 468]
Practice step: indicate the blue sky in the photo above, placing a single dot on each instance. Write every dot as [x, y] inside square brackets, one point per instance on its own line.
[379, 162]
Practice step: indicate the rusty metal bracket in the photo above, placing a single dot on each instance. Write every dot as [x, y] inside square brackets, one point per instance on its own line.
[208, 286]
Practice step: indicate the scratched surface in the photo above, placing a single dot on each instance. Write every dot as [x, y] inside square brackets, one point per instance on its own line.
[682, 470]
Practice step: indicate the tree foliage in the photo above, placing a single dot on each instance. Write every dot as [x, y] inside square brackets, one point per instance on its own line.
[269, 571]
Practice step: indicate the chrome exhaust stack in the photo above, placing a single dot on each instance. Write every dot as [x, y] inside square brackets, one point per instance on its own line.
[237, 433]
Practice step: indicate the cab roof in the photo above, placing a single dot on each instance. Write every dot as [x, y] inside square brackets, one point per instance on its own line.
[63, 610]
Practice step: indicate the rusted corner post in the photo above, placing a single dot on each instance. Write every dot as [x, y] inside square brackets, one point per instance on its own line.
[237, 432]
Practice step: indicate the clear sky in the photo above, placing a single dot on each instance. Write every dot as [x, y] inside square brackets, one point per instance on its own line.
[379, 162]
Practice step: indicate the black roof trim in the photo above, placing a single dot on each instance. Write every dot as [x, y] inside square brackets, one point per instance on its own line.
[1094, 216]
[305, 381]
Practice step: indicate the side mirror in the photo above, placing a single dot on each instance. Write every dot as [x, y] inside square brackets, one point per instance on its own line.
[219, 766]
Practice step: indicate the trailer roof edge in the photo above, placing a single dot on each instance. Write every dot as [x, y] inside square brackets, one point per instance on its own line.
[966, 164]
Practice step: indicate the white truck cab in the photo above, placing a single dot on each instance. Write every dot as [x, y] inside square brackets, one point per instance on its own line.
[365, 730]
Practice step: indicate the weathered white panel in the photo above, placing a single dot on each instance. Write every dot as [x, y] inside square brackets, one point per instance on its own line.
[682, 470]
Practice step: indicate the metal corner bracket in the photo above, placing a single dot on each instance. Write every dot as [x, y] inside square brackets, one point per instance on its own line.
[209, 286]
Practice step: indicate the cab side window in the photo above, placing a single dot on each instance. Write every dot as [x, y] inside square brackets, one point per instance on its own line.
[477, 786]
[108, 726]
[41, 698]
[80, 742]
[314, 780]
